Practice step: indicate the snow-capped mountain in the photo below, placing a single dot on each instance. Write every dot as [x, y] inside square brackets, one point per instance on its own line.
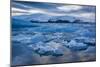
[65, 18]
[44, 17]
[40, 17]
[35, 17]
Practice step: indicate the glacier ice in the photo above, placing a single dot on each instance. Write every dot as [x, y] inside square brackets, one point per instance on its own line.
[73, 45]
[50, 48]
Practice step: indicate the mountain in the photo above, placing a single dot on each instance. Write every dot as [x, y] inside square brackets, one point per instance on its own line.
[40, 17]
[44, 17]
[35, 17]
[63, 18]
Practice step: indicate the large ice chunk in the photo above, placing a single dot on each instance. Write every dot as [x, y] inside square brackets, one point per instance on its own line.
[50, 48]
[73, 45]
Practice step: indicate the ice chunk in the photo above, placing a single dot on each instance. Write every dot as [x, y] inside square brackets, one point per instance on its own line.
[22, 38]
[73, 45]
[38, 37]
[51, 48]
[86, 40]
[90, 42]
[58, 52]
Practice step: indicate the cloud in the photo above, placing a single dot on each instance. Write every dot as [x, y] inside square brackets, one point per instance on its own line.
[19, 11]
[90, 17]
[84, 16]
[86, 13]
[69, 8]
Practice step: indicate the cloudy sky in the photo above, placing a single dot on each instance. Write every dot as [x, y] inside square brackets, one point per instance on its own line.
[52, 9]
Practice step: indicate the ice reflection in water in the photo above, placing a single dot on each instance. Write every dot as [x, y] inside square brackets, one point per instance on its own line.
[53, 43]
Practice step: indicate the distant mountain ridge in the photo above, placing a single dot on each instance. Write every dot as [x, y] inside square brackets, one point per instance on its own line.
[44, 18]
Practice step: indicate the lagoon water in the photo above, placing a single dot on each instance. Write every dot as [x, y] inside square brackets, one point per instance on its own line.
[44, 43]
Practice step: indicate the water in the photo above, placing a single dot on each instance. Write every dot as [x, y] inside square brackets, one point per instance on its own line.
[53, 43]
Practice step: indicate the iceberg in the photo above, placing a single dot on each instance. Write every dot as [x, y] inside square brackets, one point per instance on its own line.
[75, 46]
[50, 48]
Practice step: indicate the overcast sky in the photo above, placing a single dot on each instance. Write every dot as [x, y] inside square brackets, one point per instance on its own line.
[52, 9]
